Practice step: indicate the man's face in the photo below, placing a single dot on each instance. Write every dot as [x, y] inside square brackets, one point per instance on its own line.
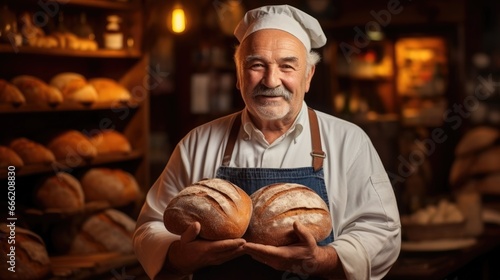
[272, 74]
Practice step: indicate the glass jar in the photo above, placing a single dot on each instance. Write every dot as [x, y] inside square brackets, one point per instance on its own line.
[113, 37]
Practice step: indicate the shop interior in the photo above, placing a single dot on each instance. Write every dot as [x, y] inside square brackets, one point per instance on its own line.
[420, 77]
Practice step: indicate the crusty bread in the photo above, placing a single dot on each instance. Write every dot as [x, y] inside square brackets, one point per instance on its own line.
[31, 257]
[31, 152]
[10, 94]
[8, 157]
[115, 186]
[61, 191]
[278, 206]
[109, 90]
[488, 161]
[222, 208]
[476, 139]
[110, 141]
[37, 91]
[72, 144]
[74, 87]
[107, 231]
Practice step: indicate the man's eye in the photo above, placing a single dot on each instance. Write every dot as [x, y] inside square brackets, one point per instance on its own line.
[287, 67]
[257, 65]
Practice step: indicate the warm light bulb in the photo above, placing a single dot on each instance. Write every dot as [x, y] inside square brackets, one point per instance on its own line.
[178, 20]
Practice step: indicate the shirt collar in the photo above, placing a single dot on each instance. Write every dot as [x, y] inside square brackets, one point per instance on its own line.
[294, 131]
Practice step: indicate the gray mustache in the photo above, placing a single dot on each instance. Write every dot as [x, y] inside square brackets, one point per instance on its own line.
[278, 91]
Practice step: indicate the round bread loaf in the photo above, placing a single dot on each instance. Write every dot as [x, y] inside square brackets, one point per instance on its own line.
[9, 157]
[278, 206]
[110, 141]
[106, 231]
[31, 152]
[115, 186]
[72, 146]
[30, 259]
[222, 208]
[10, 94]
[61, 191]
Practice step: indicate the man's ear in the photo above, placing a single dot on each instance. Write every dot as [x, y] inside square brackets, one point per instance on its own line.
[309, 77]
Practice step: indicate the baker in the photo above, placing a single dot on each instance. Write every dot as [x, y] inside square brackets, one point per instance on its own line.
[277, 138]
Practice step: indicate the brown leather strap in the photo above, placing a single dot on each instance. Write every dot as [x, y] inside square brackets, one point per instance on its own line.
[233, 135]
[317, 152]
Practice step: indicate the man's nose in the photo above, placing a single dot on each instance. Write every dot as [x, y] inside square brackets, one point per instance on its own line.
[272, 78]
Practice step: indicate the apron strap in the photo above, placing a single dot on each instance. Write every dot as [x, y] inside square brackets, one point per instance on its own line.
[233, 135]
[317, 152]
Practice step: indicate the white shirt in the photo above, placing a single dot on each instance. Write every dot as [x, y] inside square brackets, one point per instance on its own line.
[366, 225]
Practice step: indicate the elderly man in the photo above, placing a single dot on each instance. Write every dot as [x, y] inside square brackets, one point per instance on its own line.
[277, 138]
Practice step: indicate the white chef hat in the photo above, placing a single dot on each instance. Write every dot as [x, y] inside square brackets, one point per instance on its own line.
[283, 17]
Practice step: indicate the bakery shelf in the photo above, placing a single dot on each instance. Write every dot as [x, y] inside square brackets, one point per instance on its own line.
[93, 266]
[102, 4]
[61, 166]
[100, 53]
[74, 106]
[35, 216]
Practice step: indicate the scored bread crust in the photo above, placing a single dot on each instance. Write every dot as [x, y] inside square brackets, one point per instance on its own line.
[278, 206]
[222, 208]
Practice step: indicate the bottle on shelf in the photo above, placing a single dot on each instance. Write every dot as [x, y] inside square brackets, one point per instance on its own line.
[83, 28]
[113, 36]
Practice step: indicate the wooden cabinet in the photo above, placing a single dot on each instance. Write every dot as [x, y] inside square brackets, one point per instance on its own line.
[129, 66]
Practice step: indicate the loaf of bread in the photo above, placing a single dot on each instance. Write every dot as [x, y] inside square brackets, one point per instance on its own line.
[462, 169]
[115, 186]
[37, 91]
[74, 87]
[109, 90]
[222, 208]
[477, 139]
[9, 158]
[107, 231]
[110, 141]
[10, 94]
[31, 260]
[31, 152]
[60, 192]
[275, 209]
[70, 145]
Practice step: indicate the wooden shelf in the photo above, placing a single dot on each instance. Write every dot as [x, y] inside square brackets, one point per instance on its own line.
[100, 53]
[61, 165]
[126, 5]
[73, 106]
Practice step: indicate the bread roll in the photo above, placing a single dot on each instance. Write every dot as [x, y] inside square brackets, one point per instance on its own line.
[278, 206]
[61, 191]
[31, 257]
[477, 139]
[37, 91]
[222, 209]
[32, 152]
[8, 157]
[109, 90]
[74, 87]
[110, 141]
[115, 186]
[107, 231]
[10, 94]
[72, 145]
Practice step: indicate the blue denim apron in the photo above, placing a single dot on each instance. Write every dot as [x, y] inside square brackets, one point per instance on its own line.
[252, 179]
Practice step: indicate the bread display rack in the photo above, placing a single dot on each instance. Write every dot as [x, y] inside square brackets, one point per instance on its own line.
[85, 106]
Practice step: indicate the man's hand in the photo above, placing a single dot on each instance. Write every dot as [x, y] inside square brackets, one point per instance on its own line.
[190, 254]
[303, 258]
